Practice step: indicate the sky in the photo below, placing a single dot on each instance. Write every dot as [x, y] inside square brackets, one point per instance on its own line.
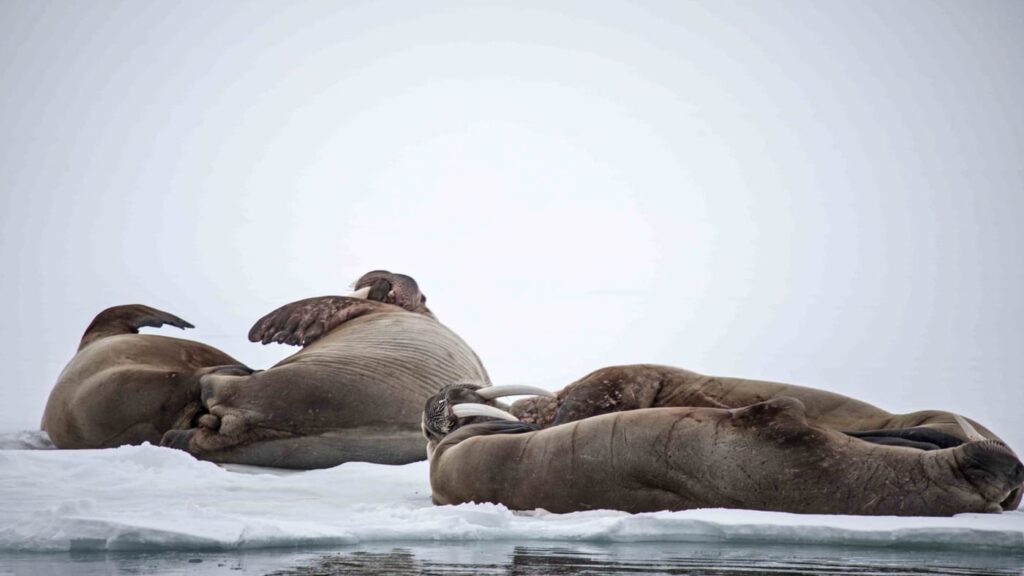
[821, 193]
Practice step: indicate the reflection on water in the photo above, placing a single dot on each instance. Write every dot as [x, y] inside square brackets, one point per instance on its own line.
[509, 559]
[661, 558]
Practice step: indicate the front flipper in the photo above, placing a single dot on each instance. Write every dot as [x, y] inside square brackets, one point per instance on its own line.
[489, 428]
[920, 437]
[501, 427]
[301, 323]
[375, 445]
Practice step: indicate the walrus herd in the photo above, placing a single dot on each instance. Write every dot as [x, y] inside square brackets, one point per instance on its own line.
[379, 378]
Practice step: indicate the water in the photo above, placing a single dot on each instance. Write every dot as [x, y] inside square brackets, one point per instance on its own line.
[493, 558]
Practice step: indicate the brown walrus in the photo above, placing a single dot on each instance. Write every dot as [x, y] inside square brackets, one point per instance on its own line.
[354, 392]
[122, 387]
[620, 388]
[766, 456]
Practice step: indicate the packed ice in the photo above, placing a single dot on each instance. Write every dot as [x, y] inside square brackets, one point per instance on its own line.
[147, 497]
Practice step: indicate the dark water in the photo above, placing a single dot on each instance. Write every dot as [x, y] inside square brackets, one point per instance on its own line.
[522, 560]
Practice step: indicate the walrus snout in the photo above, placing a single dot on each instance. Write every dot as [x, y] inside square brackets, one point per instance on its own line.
[466, 403]
[992, 467]
[438, 419]
[392, 288]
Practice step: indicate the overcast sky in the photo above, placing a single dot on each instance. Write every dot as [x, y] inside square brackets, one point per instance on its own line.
[823, 193]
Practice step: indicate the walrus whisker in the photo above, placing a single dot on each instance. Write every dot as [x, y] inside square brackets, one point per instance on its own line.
[469, 409]
[492, 392]
[970, 431]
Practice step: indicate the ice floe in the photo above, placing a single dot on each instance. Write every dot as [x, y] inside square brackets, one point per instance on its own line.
[146, 497]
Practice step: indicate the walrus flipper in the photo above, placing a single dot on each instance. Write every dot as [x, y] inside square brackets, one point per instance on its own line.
[127, 319]
[488, 428]
[303, 322]
[920, 437]
[503, 427]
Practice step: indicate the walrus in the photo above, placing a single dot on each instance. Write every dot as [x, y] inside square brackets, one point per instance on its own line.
[122, 387]
[766, 456]
[355, 391]
[631, 387]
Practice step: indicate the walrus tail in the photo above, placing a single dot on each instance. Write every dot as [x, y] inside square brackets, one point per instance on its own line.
[128, 319]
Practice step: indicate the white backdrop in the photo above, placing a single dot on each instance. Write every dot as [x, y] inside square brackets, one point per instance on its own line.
[824, 193]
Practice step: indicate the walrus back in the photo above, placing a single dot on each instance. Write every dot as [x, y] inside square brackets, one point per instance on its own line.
[402, 351]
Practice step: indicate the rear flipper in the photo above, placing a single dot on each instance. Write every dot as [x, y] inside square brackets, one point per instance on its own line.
[920, 437]
[201, 415]
[127, 319]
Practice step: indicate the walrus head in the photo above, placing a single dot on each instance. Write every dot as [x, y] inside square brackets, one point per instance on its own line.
[463, 403]
[391, 288]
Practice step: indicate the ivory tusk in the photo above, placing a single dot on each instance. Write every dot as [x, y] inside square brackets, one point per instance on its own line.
[492, 392]
[970, 431]
[362, 293]
[472, 409]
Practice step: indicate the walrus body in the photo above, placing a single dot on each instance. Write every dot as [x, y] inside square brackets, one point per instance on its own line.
[355, 393]
[621, 388]
[122, 387]
[762, 457]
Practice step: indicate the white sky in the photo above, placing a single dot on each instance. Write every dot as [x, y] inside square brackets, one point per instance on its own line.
[824, 193]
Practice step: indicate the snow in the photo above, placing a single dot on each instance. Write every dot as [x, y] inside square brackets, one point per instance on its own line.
[146, 498]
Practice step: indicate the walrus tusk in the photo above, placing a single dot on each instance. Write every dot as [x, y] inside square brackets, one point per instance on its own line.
[472, 409]
[970, 431]
[492, 392]
[361, 294]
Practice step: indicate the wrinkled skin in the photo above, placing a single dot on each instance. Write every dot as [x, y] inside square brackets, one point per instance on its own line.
[122, 387]
[766, 456]
[355, 392]
[622, 388]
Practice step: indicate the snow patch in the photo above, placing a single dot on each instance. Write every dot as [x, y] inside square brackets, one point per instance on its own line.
[25, 440]
[146, 497]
